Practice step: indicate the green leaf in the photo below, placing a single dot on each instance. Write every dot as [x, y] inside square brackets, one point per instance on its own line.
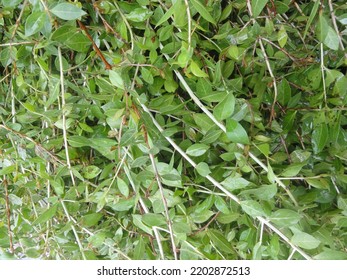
[203, 88]
[232, 183]
[312, 16]
[329, 254]
[292, 170]
[202, 11]
[147, 75]
[342, 19]
[331, 39]
[203, 121]
[285, 217]
[320, 137]
[211, 136]
[92, 219]
[319, 183]
[151, 219]
[236, 133]
[197, 71]
[34, 23]
[179, 227]
[233, 51]
[225, 108]
[72, 38]
[139, 249]
[128, 137]
[122, 187]
[265, 192]
[201, 217]
[123, 205]
[221, 205]
[46, 215]
[78, 42]
[252, 208]
[139, 15]
[282, 37]
[258, 6]
[68, 11]
[226, 219]
[91, 172]
[137, 220]
[116, 79]
[305, 240]
[167, 15]
[7, 170]
[203, 169]
[197, 150]
[220, 241]
[78, 141]
[11, 3]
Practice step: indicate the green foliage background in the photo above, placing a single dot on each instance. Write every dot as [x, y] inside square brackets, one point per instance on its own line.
[186, 130]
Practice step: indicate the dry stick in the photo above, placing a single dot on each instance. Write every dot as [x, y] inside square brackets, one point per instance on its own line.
[219, 186]
[8, 214]
[95, 47]
[143, 205]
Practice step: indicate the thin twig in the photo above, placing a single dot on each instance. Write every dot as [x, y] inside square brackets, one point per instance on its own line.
[39, 149]
[17, 44]
[95, 47]
[218, 185]
[161, 189]
[189, 19]
[322, 67]
[333, 19]
[144, 207]
[62, 89]
[127, 25]
[267, 62]
[8, 214]
[73, 229]
[106, 24]
[207, 225]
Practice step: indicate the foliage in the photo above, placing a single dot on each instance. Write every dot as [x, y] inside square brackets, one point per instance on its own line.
[173, 129]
